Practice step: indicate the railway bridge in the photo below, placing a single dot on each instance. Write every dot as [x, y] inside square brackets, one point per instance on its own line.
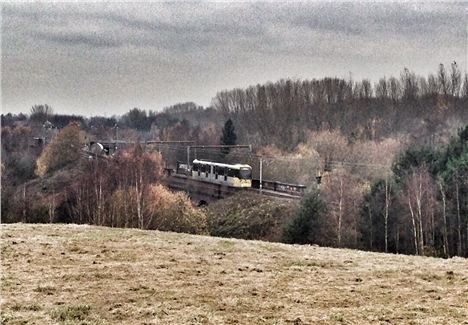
[203, 192]
[200, 191]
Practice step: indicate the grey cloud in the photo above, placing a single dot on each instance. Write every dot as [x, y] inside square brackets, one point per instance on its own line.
[92, 40]
[189, 28]
[161, 53]
[244, 26]
[367, 18]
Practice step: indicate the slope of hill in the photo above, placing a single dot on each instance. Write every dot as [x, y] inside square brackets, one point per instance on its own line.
[54, 274]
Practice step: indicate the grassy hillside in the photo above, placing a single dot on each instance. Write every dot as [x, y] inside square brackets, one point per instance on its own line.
[54, 274]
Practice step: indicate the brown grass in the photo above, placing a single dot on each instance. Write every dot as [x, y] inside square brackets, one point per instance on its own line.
[68, 274]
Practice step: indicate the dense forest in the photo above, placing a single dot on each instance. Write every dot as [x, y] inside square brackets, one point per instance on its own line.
[386, 163]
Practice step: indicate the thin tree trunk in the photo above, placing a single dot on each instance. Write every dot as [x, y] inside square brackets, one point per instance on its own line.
[444, 216]
[459, 241]
[386, 214]
[432, 221]
[52, 209]
[138, 188]
[370, 228]
[413, 221]
[397, 238]
[419, 206]
[340, 212]
[24, 203]
[100, 203]
[79, 204]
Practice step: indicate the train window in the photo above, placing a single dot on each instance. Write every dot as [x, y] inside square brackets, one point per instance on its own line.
[245, 173]
[195, 167]
[233, 172]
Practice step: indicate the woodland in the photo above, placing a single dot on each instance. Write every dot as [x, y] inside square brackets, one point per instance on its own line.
[385, 163]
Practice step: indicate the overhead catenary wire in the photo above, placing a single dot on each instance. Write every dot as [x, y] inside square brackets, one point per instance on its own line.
[215, 149]
[335, 163]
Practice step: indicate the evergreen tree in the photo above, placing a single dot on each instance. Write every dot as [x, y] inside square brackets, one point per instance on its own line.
[307, 225]
[228, 137]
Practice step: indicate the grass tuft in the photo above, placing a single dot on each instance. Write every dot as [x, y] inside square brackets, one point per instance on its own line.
[71, 313]
[48, 290]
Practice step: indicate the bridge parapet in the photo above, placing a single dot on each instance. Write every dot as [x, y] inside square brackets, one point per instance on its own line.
[201, 191]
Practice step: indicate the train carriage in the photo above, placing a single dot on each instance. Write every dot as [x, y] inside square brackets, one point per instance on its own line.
[238, 175]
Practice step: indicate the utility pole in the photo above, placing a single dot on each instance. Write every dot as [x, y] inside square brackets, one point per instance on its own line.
[261, 171]
[188, 157]
[116, 136]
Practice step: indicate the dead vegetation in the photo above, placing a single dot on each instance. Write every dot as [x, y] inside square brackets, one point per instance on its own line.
[69, 274]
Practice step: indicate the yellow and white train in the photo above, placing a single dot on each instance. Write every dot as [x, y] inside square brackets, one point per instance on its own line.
[238, 175]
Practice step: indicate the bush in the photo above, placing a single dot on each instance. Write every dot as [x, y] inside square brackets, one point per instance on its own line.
[65, 148]
[249, 216]
[38, 214]
[307, 225]
[168, 211]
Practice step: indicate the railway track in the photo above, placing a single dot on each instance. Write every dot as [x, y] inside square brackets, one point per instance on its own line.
[179, 182]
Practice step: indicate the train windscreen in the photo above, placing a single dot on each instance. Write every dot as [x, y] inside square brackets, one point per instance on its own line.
[245, 173]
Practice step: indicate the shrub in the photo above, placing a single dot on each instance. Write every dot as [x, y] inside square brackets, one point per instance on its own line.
[170, 211]
[249, 216]
[38, 214]
[62, 150]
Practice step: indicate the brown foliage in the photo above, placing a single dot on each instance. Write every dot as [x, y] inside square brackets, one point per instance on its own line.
[63, 149]
[171, 211]
[161, 209]
[299, 166]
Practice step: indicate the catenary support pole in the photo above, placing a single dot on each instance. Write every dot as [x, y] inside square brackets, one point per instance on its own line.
[261, 176]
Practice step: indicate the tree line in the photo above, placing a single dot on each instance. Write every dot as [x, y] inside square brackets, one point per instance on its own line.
[279, 113]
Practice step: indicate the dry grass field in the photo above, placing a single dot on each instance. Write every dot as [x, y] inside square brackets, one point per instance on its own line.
[69, 274]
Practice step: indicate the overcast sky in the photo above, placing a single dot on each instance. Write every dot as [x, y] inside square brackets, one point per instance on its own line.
[90, 58]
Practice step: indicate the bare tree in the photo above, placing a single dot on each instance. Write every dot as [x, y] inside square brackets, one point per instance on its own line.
[455, 78]
[342, 193]
[443, 80]
[395, 89]
[41, 112]
[464, 91]
[410, 84]
[387, 203]
[381, 89]
[444, 220]
[432, 85]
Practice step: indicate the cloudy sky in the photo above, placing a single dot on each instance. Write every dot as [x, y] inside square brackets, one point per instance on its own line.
[90, 58]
